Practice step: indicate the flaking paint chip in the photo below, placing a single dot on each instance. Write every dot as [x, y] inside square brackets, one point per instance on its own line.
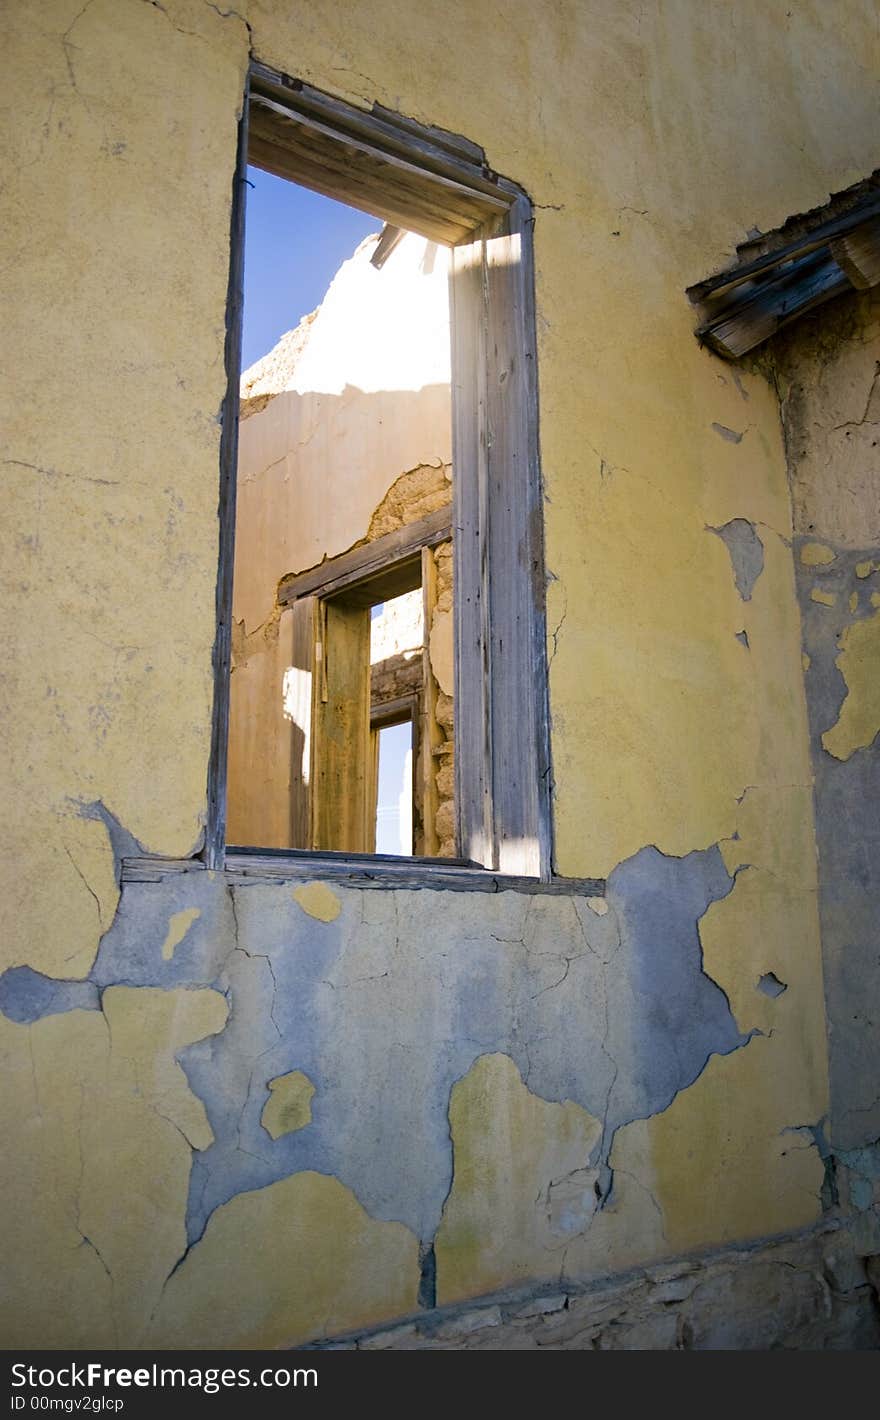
[178, 925]
[289, 1106]
[816, 554]
[318, 901]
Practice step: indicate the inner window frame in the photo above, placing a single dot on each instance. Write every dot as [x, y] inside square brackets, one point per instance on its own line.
[438, 184]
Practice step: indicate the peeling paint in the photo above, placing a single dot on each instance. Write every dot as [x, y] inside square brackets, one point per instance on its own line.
[859, 719]
[732, 436]
[746, 553]
[178, 927]
[289, 1106]
[816, 554]
[318, 900]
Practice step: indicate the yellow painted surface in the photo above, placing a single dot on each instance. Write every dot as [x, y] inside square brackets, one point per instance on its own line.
[289, 1106]
[817, 594]
[523, 1203]
[59, 888]
[875, 598]
[805, 661]
[710, 1191]
[864, 569]
[124, 129]
[859, 664]
[521, 1189]
[285, 1263]
[178, 926]
[318, 900]
[853, 602]
[98, 1124]
[816, 554]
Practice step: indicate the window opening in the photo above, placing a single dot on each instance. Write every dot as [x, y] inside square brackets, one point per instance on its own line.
[394, 787]
[479, 722]
[344, 451]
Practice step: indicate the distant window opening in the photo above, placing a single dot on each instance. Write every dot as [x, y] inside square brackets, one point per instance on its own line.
[394, 787]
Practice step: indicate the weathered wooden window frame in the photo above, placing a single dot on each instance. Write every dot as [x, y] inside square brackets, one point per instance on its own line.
[437, 184]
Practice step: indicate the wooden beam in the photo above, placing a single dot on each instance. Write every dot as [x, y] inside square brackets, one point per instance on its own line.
[747, 323]
[367, 565]
[820, 236]
[518, 650]
[247, 866]
[430, 734]
[215, 832]
[447, 154]
[341, 730]
[858, 255]
[366, 174]
[389, 238]
[475, 835]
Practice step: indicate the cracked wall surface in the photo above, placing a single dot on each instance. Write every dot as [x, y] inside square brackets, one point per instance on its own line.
[828, 379]
[680, 737]
[350, 1048]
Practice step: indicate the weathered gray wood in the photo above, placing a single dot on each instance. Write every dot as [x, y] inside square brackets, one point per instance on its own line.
[820, 236]
[431, 736]
[473, 721]
[341, 732]
[366, 174]
[437, 151]
[858, 255]
[518, 665]
[339, 574]
[215, 832]
[394, 712]
[364, 871]
[389, 238]
[774, 305]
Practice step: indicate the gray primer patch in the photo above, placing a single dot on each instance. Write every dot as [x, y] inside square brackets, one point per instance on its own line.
[27, 995]
[771, 986]
[746, 553]
[731, 435]
[848, 840]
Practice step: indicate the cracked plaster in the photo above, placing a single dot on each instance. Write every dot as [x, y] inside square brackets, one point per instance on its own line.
[827, 373]
[112, 560]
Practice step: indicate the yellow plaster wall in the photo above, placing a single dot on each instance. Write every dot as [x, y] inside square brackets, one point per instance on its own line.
[651, 137]
[285, 1263]
[99, 1126]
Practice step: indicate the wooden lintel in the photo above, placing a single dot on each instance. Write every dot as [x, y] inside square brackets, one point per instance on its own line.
[367, 171]
[338, 574]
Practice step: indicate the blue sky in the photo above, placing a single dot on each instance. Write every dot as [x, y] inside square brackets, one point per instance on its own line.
[295, 242]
